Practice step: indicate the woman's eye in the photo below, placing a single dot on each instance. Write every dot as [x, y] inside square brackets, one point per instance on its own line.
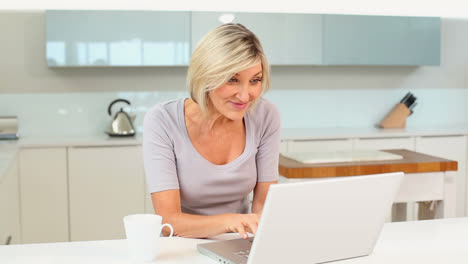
[256, 81]
[233, 80]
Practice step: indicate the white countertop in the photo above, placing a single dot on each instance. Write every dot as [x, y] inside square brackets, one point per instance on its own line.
[76, 141]
[286, 134]
[429, 242]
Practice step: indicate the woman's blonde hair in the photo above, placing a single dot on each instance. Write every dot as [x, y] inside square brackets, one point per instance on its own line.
[220, 54]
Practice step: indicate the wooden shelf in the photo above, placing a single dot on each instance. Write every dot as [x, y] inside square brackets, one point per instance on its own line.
[412, 162]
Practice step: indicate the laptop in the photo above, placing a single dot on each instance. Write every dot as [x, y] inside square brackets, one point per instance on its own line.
[315, 221]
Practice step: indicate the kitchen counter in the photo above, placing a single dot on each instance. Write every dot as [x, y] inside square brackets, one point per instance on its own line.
[8, 149]
[436, 175]
[76, 141]
[411, 162]
[429, 242]
[286, 134]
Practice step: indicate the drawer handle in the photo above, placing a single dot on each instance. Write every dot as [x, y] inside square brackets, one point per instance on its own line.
[8, 241]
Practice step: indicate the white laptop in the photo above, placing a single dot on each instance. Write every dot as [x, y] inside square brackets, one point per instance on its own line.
[315, 221]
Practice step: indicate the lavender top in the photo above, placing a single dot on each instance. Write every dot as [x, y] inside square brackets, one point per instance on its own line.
[172, 162]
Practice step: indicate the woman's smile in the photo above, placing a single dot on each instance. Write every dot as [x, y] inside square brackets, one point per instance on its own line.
[239, 105]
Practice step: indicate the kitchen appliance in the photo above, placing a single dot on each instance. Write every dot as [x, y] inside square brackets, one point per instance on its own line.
[122, 122]
[8, 127]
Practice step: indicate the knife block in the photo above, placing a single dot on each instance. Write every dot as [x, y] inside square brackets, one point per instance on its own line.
[396, 118]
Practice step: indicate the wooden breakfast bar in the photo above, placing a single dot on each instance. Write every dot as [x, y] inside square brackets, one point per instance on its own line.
[427, 179]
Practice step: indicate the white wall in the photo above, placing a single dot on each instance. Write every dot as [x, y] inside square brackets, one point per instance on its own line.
[308, 96]
[446, 8]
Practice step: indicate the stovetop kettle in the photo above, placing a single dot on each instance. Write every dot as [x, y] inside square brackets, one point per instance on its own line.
[122, 123]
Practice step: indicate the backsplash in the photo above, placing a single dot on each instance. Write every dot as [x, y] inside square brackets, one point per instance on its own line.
[74, 114]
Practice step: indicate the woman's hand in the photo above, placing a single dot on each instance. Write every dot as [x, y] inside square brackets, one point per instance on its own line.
[242, 223]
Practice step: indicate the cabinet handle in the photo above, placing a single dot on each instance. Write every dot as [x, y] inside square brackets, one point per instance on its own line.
[8, 240]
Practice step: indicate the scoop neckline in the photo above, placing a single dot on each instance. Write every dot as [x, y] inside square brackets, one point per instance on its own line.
[239, 159]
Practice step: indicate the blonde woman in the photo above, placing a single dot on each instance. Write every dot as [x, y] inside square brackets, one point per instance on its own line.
[203, 155]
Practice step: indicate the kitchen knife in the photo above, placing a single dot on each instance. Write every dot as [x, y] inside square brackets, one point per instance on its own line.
[410, 101]
[405, 98]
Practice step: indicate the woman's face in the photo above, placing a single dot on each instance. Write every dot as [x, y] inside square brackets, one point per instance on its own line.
[234, 98]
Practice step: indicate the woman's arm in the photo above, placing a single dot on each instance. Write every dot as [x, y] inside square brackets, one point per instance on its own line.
[167, 204]
[260, 193]
[267, 156]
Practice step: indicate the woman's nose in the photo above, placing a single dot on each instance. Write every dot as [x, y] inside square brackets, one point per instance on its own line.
[243, 93]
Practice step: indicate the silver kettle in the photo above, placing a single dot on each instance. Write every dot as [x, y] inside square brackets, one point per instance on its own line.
[122, 123]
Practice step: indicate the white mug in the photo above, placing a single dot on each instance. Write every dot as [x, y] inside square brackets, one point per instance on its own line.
[143, 232]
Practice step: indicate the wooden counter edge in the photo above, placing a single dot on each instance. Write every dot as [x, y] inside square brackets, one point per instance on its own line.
[361, 168]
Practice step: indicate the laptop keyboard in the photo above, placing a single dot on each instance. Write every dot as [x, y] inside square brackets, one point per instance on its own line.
[243, 253]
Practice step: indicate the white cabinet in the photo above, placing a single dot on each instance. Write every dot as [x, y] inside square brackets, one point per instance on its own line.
[106, 183]
[44, 198]
[148, 203]
[9, 206]
[347, 144]
[320, 145]
[454, 148]
[384, 143]
[284, 146]
[149, 209]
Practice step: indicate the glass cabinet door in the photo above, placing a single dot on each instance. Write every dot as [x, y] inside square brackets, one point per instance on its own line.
[381, 40]
[288, 39]
[117, 38]
[167, 38]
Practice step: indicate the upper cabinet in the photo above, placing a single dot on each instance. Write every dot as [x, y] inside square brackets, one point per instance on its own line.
[117, 38]
[287, 39]
[381, 40]
[167, 38]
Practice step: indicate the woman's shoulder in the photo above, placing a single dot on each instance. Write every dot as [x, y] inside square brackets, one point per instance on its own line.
[265, 114]
[265, 110]
[164, 113]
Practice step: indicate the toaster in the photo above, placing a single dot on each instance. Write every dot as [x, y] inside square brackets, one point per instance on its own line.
[8, 127]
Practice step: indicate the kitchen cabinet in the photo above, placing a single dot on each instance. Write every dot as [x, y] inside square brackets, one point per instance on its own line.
[105, 184]
[384, 143]
[287, 39]
[449, 147]
[148, 203]
[117, 38]
[44, 195]
[149, 209]
[380, 40]
[9, 206]
[283, 146]
[323, 145]
[166, 38]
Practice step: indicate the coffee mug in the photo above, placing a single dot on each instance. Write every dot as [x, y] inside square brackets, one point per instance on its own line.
[143, 232]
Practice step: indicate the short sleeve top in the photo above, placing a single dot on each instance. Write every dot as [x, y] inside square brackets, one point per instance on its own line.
[172, 162]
